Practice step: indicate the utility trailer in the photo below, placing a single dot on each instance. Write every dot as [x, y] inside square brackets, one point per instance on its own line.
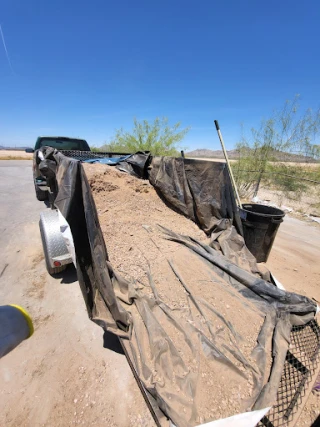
[301, 365]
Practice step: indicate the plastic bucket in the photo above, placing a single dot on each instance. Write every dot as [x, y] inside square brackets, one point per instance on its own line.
[260, 226]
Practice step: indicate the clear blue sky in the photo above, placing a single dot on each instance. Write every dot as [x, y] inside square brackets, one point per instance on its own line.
[85, 68]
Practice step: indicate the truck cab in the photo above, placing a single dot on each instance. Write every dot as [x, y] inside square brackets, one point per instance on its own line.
[60, 143]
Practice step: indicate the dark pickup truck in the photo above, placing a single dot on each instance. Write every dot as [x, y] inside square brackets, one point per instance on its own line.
[60, 143]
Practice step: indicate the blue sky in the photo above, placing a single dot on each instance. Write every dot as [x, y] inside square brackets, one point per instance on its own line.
[85, 68]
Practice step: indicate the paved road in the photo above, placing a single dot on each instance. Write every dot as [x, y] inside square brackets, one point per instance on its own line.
[63, 375]
[18, 204]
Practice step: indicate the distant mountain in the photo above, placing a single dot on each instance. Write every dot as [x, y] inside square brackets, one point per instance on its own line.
[216, 154]
[12, 148]
[279, 156]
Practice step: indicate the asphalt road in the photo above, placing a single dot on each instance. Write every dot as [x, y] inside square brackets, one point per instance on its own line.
[18, 204]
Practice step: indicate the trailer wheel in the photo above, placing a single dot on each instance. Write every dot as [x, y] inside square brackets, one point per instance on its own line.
[41, 195]
[51, 270]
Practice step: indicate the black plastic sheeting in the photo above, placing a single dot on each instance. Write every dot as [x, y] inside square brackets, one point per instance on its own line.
[201, 191]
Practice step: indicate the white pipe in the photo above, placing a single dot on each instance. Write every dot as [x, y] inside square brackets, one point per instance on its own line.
[228, 164]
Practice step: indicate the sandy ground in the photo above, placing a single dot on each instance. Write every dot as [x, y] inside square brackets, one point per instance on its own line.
[63, 375]
[211, 159]
[307, 205]
[294, 258]
[15, 155]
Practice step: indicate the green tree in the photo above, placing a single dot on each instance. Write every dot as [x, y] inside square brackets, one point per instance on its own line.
[158, 137]
[285, 133]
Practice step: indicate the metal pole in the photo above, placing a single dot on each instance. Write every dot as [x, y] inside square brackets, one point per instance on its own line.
[228, 164]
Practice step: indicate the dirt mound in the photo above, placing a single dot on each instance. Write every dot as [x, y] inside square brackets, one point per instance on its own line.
[169, 273]
[99, 185]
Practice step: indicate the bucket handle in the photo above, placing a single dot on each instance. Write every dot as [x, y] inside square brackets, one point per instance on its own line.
[248, 224]
[276, 220]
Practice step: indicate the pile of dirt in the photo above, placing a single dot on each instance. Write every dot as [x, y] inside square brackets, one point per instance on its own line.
[201, 302]
[125, 206]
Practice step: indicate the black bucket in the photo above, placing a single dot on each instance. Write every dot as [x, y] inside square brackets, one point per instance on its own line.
[260, 226]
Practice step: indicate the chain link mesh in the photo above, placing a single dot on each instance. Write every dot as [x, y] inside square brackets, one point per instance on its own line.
[86, 155]
[302, 362]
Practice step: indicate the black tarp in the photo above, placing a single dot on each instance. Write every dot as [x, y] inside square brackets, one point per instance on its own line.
[202, 191]
[188, 185]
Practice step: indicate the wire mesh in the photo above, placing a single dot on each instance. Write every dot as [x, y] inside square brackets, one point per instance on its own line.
[86, 155]
[301, 364]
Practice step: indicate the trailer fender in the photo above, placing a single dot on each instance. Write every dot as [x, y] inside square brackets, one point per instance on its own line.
[55, 250]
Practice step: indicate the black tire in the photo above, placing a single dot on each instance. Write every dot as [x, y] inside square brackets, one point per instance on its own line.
[41, 195]
[50, 270]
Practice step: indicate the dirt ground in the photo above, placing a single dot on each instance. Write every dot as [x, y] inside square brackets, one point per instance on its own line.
[63, 375]
[307, 205]
[294, 258]
[15, 155]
